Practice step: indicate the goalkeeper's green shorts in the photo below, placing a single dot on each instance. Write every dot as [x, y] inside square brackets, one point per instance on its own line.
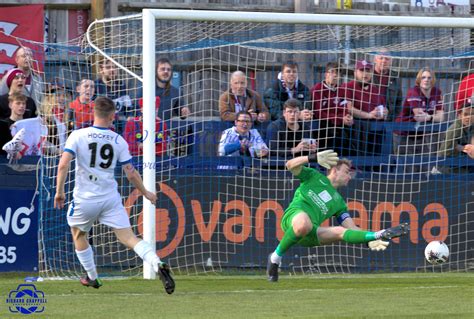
[309, 240]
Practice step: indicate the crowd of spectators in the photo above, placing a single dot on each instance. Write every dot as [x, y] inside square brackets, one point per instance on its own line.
[288, 120]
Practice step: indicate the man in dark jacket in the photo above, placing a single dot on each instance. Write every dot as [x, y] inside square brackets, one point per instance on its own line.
[287, 86]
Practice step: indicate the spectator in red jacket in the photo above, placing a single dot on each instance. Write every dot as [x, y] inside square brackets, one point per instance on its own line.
[83, 106]
[335, 119]
[367, 105]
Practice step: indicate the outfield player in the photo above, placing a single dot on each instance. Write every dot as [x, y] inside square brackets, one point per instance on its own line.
[315, 200]
[97, 150]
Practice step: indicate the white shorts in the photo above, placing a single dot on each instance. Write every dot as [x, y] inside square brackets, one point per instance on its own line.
[83, 213]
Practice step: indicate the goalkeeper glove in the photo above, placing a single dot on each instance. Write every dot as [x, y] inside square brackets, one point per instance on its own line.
[378, 245]
[326, 159]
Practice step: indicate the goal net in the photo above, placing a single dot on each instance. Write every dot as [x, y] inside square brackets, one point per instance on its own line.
[223, 213]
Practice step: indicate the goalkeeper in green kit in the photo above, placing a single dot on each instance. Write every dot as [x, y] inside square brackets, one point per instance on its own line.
[315, 200]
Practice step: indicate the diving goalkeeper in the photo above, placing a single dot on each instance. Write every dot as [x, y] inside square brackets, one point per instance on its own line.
[314, 201]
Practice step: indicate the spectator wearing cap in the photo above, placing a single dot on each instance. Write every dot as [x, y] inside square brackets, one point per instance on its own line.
[465, 91]
[388, 83]
[58, 96]
[459, 133]
[23, 62]
[15, 82]
[55, 119]
[287, 86]
[366, 104]
[83, 106]
[423, 104]
[335, 118]
[135, 136]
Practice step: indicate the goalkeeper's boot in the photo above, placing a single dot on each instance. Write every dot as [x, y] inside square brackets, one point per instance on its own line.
[272, 270]
[165, 277]
[394, 232]
[87, 282]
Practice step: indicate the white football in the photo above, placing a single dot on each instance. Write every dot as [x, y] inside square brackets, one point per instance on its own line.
[437, 252]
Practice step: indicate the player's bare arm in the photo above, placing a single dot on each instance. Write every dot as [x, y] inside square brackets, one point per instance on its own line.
[135, 178]
[63, 168]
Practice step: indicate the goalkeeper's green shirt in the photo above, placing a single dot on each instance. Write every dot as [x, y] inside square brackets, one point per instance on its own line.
[317, 197]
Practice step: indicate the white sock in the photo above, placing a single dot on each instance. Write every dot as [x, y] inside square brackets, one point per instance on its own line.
[86, 258]
[144, 250]
[275, 259]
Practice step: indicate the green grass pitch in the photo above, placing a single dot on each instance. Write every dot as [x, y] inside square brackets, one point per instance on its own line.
[404, 295]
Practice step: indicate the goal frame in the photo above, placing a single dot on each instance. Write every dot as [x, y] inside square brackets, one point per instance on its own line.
[149, 16]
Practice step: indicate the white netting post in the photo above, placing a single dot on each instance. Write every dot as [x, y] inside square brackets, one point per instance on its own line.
[149, 127]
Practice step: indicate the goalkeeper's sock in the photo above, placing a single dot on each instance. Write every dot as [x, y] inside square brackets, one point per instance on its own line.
[358, 236]
[288, 240]
[86, 258]
[144, 250]
[275, 259]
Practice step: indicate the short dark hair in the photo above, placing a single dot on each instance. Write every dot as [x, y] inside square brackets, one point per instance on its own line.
[289, 64]
[331, 66]
[103, 107]
[163, 60]
[292, 103]
[240, 113]
[17, 97]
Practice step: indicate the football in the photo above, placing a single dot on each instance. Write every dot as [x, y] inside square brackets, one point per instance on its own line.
[436, 252]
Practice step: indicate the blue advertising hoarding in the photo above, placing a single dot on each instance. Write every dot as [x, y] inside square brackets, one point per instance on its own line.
[18, 231]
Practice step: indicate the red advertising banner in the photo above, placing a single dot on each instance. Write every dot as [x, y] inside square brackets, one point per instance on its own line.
[24, 22]
[77, 23]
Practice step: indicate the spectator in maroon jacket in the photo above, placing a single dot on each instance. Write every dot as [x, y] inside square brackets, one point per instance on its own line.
[367, 105]
[388, 82]
[335, 119]
[423, 104]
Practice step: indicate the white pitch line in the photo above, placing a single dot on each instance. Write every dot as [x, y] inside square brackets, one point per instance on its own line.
[254, 291]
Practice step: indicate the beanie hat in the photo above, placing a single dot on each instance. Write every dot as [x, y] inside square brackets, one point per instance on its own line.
[12, 75]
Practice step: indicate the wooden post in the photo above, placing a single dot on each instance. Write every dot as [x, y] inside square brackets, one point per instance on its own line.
[305, 63]
[97, 13]
[97, 9]
[471, 11]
